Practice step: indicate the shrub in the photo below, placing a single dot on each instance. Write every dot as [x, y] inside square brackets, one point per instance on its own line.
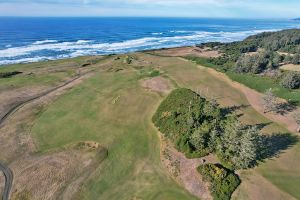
[291, 80]
[9, 74]
[223, 182]
[187, 119]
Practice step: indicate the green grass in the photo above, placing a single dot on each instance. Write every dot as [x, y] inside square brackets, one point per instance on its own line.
[133, 168]
[188, 75]
[261, 84]
[256, 82]
[87, 112]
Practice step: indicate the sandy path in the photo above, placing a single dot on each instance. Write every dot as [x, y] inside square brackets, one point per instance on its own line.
[255, 100]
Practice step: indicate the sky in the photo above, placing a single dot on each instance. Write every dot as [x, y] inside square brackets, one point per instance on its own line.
[153, 8]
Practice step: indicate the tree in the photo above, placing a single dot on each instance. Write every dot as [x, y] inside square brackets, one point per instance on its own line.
[291, 80]
[270, 102]
[297, 119]
[239, 145]
[296, 59]
[198, 140]
[276, 60]
[247, 155]
[288, 58]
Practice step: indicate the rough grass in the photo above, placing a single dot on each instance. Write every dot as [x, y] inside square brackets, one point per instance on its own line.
[188, 75]
[262, 84]
[291, 67]
[132, 169]
[256, 82]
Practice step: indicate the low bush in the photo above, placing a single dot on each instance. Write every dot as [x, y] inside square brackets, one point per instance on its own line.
[291, 80]
[223, 182]
[9, 74]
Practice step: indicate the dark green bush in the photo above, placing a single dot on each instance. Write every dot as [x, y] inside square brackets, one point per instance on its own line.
[187, 119]
[223, 182]
[9, 74]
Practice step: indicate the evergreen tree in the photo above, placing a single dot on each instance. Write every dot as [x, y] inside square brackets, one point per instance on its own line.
[296, 59]
[270, 102]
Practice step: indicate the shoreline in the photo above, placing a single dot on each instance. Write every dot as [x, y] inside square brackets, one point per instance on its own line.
[97, 55]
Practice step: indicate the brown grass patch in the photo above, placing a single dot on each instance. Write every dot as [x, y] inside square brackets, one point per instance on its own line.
[45, 177]
[291, 67]
[251, 188]
[157, 84]
[188, 51]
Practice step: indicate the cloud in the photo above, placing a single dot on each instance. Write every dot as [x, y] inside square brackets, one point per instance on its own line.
[188, 8]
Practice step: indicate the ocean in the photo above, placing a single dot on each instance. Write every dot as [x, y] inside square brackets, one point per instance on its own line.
[25, 40]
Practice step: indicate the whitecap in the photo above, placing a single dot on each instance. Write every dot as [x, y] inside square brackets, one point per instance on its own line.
[87, 47]
[45, 42]
[157, 33]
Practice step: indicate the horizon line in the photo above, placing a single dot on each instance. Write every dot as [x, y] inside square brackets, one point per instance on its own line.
[187, 17]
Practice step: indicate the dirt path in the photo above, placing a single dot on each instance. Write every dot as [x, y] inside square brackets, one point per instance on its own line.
[8, 181]
[4, 168]
[255, 100]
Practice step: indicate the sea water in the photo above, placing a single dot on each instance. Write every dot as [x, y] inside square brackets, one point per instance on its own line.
[37, 39]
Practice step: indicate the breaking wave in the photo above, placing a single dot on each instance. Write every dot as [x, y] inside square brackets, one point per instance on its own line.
[53, 49]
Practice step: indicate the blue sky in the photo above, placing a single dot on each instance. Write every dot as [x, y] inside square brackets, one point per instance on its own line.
[167, 8]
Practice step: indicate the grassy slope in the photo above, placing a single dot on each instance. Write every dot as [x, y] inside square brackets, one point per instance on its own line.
[133, 167]
[87, 112]
[258, 83]
[44, 74]
[188, 75]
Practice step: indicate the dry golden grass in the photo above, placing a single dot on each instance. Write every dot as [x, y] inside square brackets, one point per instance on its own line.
[291, 67]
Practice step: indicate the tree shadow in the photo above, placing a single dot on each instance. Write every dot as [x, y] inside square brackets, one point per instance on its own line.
[284, 108]
[273, 145]
[259, 126]
[232, 109]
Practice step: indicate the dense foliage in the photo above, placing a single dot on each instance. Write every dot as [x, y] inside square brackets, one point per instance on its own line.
[223, 182]
[287, 41]
[291, 80]
[198, 127]
[188, 119]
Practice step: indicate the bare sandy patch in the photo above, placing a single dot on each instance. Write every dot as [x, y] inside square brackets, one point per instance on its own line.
[291, 67]
[157, 84]
[189, 51]
[184, 170]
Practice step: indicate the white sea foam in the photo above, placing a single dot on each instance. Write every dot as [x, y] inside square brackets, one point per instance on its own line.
[157, 33]
[45, 41]
[25, 60]
[85, 47]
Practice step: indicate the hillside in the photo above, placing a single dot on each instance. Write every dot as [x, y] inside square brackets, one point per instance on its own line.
[150, 125]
